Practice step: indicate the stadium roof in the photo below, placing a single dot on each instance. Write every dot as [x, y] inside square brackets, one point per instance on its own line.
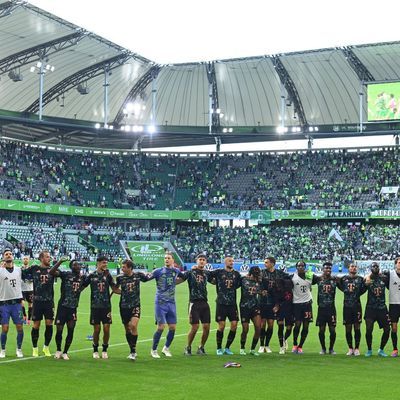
[318, 88]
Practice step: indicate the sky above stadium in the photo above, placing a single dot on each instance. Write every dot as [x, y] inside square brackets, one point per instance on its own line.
[176, 31]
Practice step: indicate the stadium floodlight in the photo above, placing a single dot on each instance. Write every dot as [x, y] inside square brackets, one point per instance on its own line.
[97, 125]
[316, 129]
[42, 70]
[110, 127]
[310, 129]
[122, 128]
[224, 130]
[129, 107]
[282, 129]
[230, 130]
[151, 129]
[137, 128]
[134, 108]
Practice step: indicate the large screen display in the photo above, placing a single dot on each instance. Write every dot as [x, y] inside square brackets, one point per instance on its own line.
[383, 101]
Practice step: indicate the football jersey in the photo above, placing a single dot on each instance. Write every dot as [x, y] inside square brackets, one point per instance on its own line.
[43, 282]
[10, 284]
[268, 285]
[326, 292]
[70, 289]
[166, 283]
[130, 289]
[100, 284]
[352, 288]
[376, 293]
[227, 282]
[301, 289]
[250, 290]
[197, 282]
[394, 288]
[27, 283]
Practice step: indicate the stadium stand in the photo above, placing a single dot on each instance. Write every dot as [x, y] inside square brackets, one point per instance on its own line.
[316, 241]
[297, 180]
[291, 242]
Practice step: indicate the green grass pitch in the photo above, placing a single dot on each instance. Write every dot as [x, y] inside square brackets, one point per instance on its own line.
[273, 376]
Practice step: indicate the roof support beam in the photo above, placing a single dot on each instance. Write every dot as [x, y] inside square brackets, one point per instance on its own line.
[51, 134]
[214, 122]
[39, 52]
[291, 89]
[7, 8]
[359, 68]
[138, 88]
[79, 77]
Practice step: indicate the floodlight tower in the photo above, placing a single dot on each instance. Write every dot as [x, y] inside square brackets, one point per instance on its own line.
[106, 85]
[42, 69]
[154, 75]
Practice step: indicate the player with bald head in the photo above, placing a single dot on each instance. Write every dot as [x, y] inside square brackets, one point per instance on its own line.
[376, 310]
[227, 280]
[353, 287]
[27, 291]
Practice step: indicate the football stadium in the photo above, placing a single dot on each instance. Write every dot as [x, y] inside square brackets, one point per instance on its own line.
[147, 252]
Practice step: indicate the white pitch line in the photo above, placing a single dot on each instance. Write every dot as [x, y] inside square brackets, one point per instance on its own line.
[89, 348]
